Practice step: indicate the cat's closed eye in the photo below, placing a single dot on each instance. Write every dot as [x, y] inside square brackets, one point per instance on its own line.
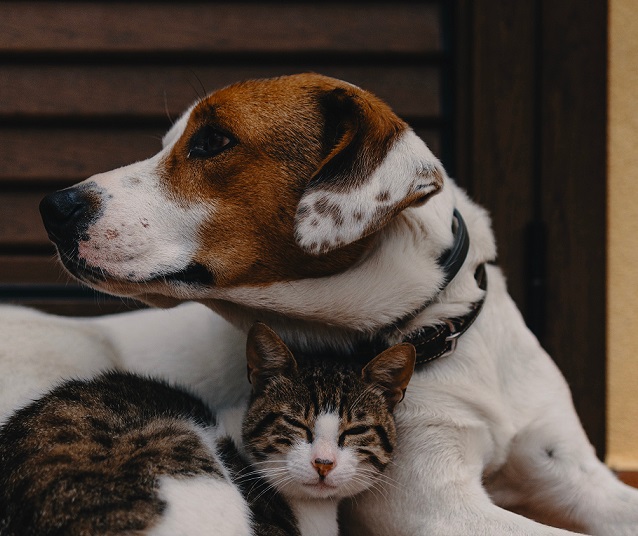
[299, 426]
[352, 431]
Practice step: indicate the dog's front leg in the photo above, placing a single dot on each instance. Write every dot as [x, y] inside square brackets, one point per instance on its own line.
[552, 474]
[434, 488]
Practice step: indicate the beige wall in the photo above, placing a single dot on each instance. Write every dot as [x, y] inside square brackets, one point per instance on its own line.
[622, 434]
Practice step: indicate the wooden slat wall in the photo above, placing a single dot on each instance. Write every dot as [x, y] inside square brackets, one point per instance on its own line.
[89, 86]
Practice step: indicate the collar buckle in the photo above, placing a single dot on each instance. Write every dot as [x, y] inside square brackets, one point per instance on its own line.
[452, 340]
[434, 342]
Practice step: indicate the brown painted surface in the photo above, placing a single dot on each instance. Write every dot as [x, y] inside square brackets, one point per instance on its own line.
[629, 477]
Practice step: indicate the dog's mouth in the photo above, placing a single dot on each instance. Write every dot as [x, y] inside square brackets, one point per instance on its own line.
[193, 274]
[78, 267]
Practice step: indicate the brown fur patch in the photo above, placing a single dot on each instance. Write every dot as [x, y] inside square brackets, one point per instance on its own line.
[254, 187]
[366, 129]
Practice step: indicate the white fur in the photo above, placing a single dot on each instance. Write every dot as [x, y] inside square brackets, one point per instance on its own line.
[201, 506]
[189, 345]
[316, 517]
[408, 168]
[142, 237]
[476, 428]
[341, 481]
[39, 350]
[315, 504]
[347, 304]
[176, 130]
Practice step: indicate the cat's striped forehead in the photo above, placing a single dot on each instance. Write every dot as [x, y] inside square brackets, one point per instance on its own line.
[334, 389]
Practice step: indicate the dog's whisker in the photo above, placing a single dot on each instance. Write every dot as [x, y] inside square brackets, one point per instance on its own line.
[168, 113]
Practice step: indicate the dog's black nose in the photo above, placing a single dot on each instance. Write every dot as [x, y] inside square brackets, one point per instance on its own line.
[65, 214]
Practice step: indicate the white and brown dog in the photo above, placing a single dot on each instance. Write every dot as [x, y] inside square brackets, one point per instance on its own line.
[305, 202]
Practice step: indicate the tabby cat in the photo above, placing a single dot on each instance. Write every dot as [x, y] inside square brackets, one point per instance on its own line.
[123, 454]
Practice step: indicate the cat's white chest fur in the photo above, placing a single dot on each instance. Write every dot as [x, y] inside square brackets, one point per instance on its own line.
[316, 517]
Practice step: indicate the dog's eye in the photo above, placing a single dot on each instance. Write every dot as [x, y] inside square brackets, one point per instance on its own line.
[208, 142]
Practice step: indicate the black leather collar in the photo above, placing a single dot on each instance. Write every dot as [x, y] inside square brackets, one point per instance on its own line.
[432, 342]
[452, 259]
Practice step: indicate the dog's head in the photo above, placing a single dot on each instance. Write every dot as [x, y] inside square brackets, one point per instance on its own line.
[260, 182]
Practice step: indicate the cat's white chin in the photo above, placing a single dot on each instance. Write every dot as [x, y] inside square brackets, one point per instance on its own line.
[321, 490]
[328, 490]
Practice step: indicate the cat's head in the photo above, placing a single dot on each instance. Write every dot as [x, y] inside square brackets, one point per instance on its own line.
[321, 430]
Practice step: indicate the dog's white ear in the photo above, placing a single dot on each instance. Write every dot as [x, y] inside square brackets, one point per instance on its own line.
[375, 167]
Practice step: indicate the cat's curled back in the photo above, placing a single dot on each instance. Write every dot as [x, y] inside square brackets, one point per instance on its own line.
[123, 454]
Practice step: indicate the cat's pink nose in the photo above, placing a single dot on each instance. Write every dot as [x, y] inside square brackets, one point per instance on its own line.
[323, 466]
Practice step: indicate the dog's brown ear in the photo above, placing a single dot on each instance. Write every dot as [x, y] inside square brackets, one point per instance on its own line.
[375, 167]
[267, 356]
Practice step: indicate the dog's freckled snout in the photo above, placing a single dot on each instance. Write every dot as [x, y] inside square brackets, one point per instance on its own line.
[66, 213]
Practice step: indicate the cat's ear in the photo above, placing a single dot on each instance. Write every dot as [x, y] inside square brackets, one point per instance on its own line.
[375, 167]
[267, 356]
[392, 370]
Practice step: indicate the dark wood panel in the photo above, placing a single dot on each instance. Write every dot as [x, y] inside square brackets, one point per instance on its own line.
[151, 91]
[71, 154]
[574, 199]
[20, 223]
[500, 127]
[219, 27]
[33, 269]
[460, 79]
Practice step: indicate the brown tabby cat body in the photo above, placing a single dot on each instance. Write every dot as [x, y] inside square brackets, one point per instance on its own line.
[123, 454]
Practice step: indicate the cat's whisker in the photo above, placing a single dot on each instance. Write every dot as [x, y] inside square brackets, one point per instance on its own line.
[254, 470]
[259, 477]
[392, 483]
[353, 498]
[372, 482]
[274, 487]
[273, 466]
[376, 487]
[259, 491]
[377, 493]
[251, 477]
